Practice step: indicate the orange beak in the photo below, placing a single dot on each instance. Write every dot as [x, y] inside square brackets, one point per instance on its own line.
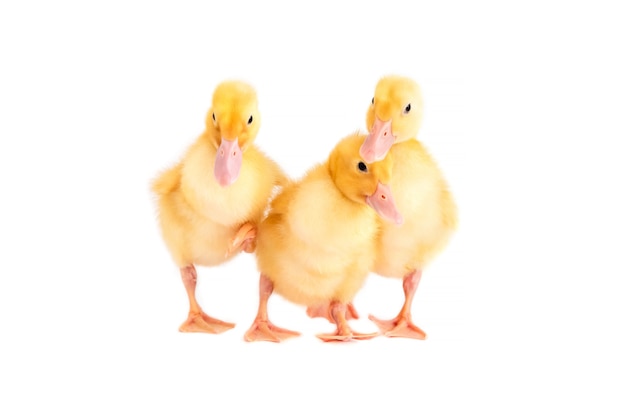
[228, 162]
[383, 203]
[378, 142]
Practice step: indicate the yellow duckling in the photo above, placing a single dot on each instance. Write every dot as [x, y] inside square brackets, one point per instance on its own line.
[318, 242]
[211, 201]
[422, 195]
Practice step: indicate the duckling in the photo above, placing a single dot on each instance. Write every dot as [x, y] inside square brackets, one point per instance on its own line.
[423, 197]
[210, 202]
[318, 242]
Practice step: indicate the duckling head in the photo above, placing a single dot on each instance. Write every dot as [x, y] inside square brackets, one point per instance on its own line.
[234, 122]
[394, 115]
[363, 182]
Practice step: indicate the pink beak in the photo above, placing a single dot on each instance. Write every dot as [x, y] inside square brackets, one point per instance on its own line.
[382, 202]
[228, 162]
[378, 142]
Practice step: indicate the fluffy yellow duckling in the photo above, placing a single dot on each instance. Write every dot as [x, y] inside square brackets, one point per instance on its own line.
[422, 194]
[318, 242]
[211, 201]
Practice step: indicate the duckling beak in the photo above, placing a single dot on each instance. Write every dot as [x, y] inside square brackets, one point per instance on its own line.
[378, 142]
[228, 162]
[382, 202]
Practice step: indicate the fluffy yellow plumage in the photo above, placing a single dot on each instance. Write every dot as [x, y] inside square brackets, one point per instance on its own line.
[317, 244]
[211, 201]
[430, 220]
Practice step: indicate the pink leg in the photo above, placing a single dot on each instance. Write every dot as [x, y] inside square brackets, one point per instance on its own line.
[262, 329]
[197, 320]
[324, 311]
[338, 312]
[402, 325]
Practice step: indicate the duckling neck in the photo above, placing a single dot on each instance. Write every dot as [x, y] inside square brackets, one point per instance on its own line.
[349, 202]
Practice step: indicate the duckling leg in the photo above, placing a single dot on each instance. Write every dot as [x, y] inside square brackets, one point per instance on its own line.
[323, 311]
[262, 329]
[338, 312]
[198, 321]
[244, 238]
[402, 325]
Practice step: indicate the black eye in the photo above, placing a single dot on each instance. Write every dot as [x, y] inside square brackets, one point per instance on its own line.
[407, 109]
[372, 100]
[250, 120]
[213, 117]
[362, 167]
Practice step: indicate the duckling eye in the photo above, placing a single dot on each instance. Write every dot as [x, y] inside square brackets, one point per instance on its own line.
[213, 116]
[250, 120]
[407, 109]
[362, 167]
[372, 100]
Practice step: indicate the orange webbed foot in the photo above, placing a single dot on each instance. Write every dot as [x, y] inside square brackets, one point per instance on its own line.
[399, 327]
[266, 331]
[344, 336]
[338, 313]
[245, 238]
[201, 322]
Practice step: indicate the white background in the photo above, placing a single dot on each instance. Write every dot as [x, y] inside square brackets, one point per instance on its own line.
[524, 112]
